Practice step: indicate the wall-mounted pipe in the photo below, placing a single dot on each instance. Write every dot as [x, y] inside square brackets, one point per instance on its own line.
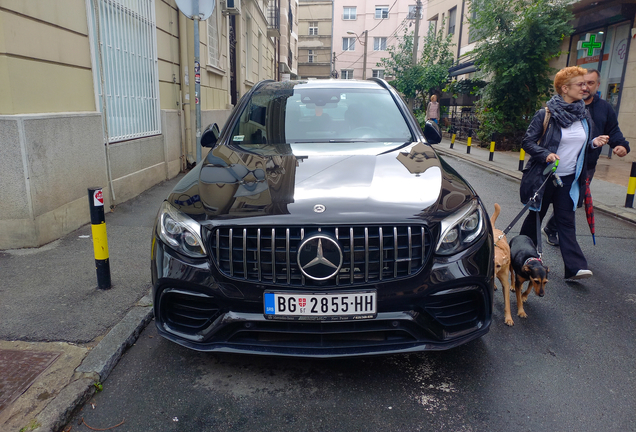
[185, 87]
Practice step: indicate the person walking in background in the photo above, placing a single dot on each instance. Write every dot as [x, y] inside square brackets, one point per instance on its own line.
[432, 110]
[568, 138]
[605, 123]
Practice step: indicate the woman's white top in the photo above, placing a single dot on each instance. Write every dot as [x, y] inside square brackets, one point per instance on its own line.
[573, 139]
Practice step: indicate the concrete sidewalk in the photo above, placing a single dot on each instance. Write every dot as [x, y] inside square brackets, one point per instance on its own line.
[609, 186]
[60, 335]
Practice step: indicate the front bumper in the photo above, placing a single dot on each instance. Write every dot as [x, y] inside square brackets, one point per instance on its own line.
[445, 305]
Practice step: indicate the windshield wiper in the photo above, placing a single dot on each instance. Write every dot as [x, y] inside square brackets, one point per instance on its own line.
[398, 147]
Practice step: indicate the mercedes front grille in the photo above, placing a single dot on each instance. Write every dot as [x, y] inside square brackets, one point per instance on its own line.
[370, 253]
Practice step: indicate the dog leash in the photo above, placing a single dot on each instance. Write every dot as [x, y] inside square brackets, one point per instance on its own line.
[550, 171]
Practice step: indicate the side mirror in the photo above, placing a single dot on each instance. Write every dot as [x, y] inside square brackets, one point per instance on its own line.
[432, 133]
[210, 136]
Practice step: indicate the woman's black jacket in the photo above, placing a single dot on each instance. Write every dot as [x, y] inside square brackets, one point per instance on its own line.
[533, 172]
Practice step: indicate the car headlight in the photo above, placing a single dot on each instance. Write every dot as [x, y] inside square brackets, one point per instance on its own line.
[180, 231]
[461, 229]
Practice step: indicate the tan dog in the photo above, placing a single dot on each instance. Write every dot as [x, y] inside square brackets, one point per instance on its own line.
[502, 264]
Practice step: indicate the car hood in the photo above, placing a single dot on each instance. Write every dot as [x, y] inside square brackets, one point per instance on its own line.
[313, 184]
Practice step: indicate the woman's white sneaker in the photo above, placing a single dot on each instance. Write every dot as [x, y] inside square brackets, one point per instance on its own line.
[582, 274]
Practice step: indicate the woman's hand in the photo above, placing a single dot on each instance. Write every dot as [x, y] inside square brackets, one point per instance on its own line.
[600, 140]
[620, 151]
[551, 157]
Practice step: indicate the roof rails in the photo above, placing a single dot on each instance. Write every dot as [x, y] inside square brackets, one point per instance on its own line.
[380, 81]
[262, 83]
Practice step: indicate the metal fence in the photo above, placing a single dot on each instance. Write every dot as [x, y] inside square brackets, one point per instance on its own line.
[125, 52]
[462, 122]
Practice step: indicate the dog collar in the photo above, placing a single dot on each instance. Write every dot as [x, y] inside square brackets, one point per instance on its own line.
[532, 259]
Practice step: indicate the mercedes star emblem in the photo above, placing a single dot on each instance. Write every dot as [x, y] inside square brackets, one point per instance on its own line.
[319, 208]
[319, 257]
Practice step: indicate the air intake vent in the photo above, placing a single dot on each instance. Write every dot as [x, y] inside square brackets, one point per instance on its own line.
[370, 254]
[456, 310]
[187, 311]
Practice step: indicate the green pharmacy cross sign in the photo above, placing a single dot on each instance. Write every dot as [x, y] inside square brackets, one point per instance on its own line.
[590, 43]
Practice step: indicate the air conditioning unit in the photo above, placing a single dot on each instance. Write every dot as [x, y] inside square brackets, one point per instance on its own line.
[232, 7]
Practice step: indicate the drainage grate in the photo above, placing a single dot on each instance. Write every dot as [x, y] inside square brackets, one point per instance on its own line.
[18, 370]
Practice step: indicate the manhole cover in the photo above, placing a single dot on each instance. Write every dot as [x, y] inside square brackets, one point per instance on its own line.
[18, 370]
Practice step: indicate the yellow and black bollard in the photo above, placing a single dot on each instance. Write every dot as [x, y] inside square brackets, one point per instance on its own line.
[100, 240]
[522, 157]
[492, 148]
[631, 187]
[469, 142]
[453, 139]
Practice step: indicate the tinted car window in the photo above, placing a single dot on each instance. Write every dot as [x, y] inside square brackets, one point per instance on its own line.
[320, 115]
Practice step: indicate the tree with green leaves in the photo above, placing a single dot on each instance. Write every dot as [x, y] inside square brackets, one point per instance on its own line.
[431, 70]
[518, 40]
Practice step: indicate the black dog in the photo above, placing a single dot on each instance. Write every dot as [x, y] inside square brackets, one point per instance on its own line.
[525, 265]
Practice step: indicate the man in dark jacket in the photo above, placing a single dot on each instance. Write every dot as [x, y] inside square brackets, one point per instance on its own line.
[605, 123]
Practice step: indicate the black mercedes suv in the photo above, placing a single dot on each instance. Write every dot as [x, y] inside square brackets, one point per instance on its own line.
[321, 223]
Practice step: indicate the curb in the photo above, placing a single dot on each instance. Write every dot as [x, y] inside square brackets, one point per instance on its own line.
[612, 211]
[95, 367]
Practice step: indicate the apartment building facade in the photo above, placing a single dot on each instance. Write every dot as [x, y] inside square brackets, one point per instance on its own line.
[61, 133]
[370, 26]
[315, 23]
[453, 15]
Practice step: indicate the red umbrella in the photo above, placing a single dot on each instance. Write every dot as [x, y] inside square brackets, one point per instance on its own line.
[589, 209]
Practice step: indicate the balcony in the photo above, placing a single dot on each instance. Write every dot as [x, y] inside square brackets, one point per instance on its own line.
[273, 21]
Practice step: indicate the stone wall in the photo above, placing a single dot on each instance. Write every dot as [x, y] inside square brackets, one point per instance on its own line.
[49, 161]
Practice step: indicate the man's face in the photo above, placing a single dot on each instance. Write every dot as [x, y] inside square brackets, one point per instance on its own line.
[592, 81]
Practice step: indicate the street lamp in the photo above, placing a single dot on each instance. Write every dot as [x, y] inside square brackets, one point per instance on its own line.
[364, 61]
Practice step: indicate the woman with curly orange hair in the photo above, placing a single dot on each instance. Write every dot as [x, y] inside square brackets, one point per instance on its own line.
[568, 138]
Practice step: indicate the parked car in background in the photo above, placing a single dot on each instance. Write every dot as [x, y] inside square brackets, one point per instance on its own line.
[322, 224]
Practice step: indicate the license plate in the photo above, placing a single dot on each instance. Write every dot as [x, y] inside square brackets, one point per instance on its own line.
[320, 306]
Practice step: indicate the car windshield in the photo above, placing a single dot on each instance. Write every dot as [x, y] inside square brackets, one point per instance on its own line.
[335, 115]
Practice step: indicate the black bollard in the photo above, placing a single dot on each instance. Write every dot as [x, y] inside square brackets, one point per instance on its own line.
[469, 142]
[100, 239]
[522, 157]
[631, 187]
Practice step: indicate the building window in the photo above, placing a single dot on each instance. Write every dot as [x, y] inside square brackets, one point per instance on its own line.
[452, 17]
[248, 48]
[313, 28]
[604, 49]
[378, 73]
[432, 26]
[346, 74]
[412, 9]
[213, 40]
[312, 56]
[381, 12]
[348, 44]
[349, 13]
[379, 44]
[473, 34]
[131, 86]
